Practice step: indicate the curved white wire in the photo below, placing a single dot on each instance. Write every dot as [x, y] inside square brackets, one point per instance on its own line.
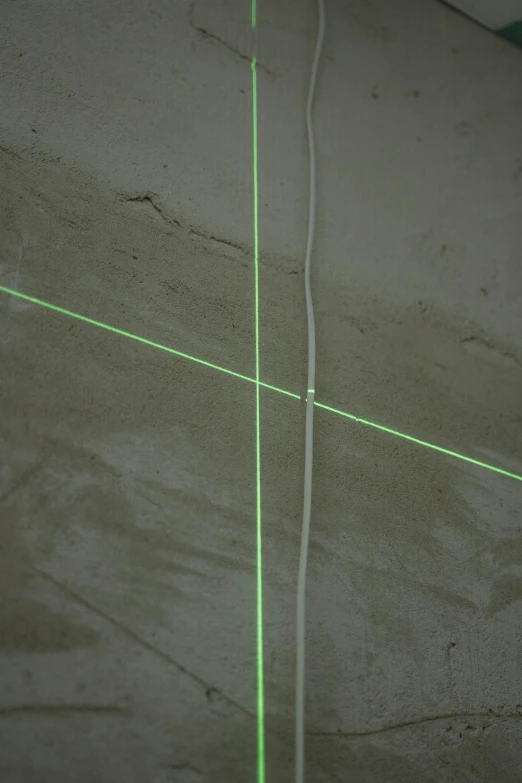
[307, 503]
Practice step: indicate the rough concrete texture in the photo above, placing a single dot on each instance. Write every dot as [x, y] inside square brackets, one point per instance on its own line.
[127, 474]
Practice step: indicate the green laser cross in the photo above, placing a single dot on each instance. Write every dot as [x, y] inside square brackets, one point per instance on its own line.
[259, 384]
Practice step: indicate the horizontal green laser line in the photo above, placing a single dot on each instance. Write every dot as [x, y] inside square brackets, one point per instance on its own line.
[143, 340]
[418, 441]
[345, 415]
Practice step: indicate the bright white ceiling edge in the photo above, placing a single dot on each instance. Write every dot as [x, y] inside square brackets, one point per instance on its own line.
[492, 13]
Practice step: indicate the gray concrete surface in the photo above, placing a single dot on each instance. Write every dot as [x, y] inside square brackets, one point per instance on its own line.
[127, 474]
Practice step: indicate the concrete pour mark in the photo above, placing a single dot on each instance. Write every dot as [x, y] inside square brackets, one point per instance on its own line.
[429, 719]
[136, 638]
[214, 695]
[63, 710]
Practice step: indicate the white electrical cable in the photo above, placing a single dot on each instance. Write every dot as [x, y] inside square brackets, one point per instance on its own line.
[307, 504]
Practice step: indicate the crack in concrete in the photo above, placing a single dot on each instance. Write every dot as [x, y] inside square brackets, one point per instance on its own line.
[151, 199]
[417, 722]
[136, 638]
[216, 39]
[198, 234]
[246, 251]
[481, 340]
[235, 245]
[62, 710]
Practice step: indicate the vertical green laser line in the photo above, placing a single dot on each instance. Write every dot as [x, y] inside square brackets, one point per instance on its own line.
[259, 570]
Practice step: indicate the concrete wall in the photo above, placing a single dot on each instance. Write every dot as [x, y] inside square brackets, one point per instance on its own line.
[127, 478]
[495, 15]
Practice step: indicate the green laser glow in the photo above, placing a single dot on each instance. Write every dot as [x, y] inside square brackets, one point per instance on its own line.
[418, 441]
[259, 602]
[139, 339]
[260, 384]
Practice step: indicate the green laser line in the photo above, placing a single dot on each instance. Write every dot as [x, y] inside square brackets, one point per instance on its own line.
[143, 340]
[261, 384]
[259, 541]
[418, 441]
